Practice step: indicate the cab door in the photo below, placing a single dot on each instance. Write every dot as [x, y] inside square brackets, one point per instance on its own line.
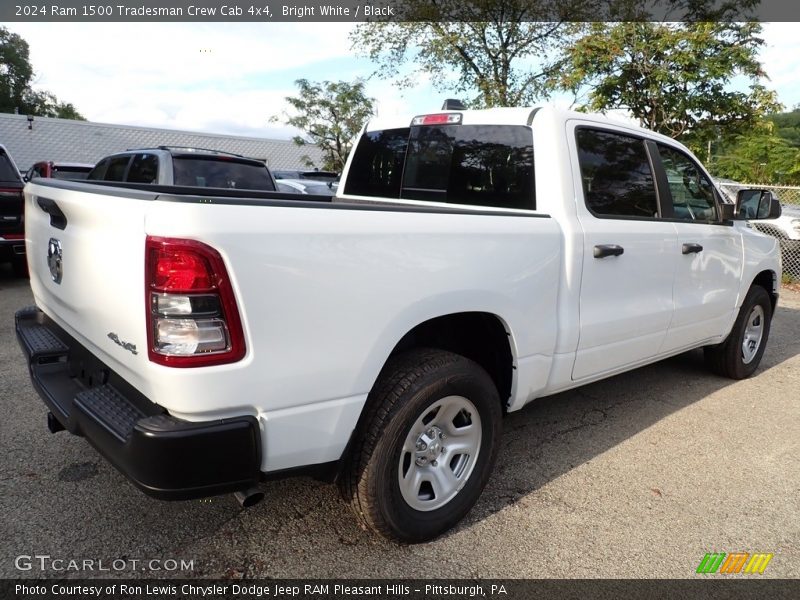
[709, 265]
[629, 252]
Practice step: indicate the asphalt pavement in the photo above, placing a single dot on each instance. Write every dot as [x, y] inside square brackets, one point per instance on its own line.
[640, 475]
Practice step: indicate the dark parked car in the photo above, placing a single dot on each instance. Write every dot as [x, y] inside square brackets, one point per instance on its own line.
[12, 228]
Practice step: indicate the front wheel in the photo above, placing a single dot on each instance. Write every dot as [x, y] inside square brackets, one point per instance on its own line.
[740, 354]
[426, 446]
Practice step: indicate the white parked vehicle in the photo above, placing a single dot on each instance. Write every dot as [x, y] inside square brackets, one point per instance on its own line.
[785, 227]
[472, 262]
[304, 186]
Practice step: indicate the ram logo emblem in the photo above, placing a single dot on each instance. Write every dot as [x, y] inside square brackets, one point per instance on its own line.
[55, 260]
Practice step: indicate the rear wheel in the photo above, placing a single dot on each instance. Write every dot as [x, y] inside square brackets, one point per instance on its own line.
[740, 354]
[426, 446]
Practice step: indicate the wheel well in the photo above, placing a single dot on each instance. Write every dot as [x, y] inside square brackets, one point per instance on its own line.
[481, 337]
[769, 281]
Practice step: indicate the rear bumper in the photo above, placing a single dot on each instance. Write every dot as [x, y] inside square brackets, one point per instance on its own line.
[165, 457]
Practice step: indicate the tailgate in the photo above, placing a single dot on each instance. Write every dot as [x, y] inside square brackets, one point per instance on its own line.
[85, 248]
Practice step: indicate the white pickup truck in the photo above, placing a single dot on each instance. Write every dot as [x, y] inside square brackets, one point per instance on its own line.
[473, 261]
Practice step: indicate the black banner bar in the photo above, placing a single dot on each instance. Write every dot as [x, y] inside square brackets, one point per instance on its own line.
[392, 10]
[708, 588]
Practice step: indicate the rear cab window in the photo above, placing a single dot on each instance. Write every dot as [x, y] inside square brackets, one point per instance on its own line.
[475, 165]
[221, 172]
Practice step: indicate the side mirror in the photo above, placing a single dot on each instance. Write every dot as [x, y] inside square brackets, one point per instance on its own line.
[757, 204]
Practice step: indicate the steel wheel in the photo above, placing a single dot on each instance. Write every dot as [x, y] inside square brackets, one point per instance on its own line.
[439, 453]
[741, 352]
[753, 334]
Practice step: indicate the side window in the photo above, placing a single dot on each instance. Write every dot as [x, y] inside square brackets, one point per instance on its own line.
[99, 171]
[116, 168]
[616, 174]
[692, 192]
[144, 169]
[378, 164]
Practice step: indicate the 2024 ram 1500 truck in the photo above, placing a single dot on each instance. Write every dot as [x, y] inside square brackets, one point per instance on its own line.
[473, 261]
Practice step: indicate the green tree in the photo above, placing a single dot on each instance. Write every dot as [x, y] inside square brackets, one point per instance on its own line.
[758, 156]
[673, 77]
[787, 126]
[331, 114]
[498, 52]
[15, 70]
[46, 104]
[16, 77]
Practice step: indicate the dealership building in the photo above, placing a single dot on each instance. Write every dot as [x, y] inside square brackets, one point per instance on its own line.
[64, 140]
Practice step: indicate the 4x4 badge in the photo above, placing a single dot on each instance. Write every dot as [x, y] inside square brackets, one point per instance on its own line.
[54, 259]
[124, 345]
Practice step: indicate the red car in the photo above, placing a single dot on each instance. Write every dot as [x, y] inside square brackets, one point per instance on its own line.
[58, 170]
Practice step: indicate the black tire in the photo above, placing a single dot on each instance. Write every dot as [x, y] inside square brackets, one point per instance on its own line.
[727, 358]
[408, 385]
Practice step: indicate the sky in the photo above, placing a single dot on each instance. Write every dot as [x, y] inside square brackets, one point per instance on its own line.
[231, 78]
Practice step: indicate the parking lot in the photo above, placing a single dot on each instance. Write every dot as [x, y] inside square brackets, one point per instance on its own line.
[636, 476]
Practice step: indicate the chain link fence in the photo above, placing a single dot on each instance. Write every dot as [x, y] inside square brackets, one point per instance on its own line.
[786, 228]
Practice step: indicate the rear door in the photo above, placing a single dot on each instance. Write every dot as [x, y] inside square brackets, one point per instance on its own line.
[629, 252]
[709, 264]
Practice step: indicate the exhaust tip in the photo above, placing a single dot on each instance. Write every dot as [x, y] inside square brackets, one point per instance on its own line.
[53, 424]
[249, 497]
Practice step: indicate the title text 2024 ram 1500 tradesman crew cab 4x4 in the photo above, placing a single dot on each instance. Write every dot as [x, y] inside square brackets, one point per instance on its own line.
[472, 262]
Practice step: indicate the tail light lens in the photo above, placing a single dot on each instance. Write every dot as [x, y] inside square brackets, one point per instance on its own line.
[192, 316]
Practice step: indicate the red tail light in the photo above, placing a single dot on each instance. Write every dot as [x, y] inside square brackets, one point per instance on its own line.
[180, 269]
[192, 316]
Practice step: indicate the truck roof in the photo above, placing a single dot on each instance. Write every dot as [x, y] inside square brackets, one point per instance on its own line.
[514, 116]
